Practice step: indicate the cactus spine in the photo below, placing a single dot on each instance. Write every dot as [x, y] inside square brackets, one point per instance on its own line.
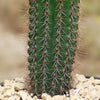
[52, 44]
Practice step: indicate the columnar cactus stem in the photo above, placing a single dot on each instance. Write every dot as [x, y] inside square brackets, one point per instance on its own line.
[52, 44]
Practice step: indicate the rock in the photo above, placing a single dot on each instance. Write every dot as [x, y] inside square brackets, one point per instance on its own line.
[75, 97]
[22, 80]
[97, 82]
[46, 96]
[76, 79]
[2, 84]
[9, 92]
[1, 97]
[35, 98]
[4, 89]
[24, 95]
[16, 85]
[74, 92]
[84, 89]
[15, 97]
[59, 97]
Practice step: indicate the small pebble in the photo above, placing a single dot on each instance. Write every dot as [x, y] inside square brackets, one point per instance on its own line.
[84, 89]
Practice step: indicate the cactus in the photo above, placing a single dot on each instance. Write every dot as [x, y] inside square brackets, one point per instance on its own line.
[52, 44]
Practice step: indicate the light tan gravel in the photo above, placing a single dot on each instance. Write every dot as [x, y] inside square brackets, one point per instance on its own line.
[83, 89]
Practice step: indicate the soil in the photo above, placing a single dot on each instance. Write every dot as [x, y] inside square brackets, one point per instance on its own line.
[83, 89]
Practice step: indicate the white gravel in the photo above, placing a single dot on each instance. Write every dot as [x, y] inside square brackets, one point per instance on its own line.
[83, 89]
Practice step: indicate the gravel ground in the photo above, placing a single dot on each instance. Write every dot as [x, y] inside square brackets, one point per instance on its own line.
[83, 89]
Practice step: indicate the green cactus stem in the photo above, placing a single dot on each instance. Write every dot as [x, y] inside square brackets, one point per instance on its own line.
[52, 44]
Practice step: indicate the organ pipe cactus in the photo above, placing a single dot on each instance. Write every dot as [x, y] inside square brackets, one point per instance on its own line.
[52, 44]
